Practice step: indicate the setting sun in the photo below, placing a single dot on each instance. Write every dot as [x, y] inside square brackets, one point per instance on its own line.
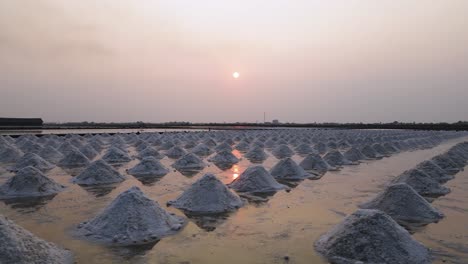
[235, 75]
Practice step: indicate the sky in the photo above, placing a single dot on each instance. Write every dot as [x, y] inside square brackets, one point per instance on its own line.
[173, 60]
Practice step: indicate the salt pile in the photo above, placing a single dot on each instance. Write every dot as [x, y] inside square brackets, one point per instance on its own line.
[257, 154]
[224, 159]
[242, 146]
[131, 219]
[33, 160]
[282, 151]
[371, 236]
[369, 152]
[256, 179]
[433, 170]
[10, 154]
[99, 172]
[115, 156]
[287, 169]
[446, 164]
[424, 184]
[88, 151]
[404, 205]
[150, 152]
[50, 154]
[304, 149]
[148, 166]
[201, 150]
[74, 158]
[354, 155]
[208, 195]
[223, 146]
[175, 152]
[321, 148]
[335, 158]
[29, 182]
[189, 162]
[21, 246]
[313, 162]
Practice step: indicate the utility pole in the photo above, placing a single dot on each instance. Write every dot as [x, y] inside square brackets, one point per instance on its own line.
[264, 117]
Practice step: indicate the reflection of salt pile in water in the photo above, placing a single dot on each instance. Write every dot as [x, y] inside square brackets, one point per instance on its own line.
[208, 195]
[424, 184]
[371, 236]
[433, 170]
[10, 154]
[354, 155]
[131, 219]
[50, 154]
[149, 166]
[404, 205]
[256, 154]
[287, 169]
[33, 160]
[99, 172]
[313, 162]
[336, 159]
[201, 150]
[150, 152]
[224, 159]
[256, 179]
[175, 152]
[74, 158]
[29, 182]
[282, 151]
[20, 246]
[115, 156]
[189, 162]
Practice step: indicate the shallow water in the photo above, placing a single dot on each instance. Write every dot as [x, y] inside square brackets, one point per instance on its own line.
[287, 224]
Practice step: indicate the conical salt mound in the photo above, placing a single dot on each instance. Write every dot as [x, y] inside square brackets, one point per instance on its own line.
[242, 146]
[256, 179]
[208, 195]
[202, 150]
[433, 170]
[446, 164]
[370, 153]
[257, 154]
[371, 236]
[74, 158]
[336, 159]
[354, 155]
[10, 154]
[99, 172]
[22, 247]
[29, 182]
[304, 149]
[175, 152]
[33, 160]
[131, 219]
[189, 162]
[115, 155]
[89, 151]
[313, 162]
[50, 154]
[379, 149]
[224, 159]
[404, 205]
[148, 166]
[287, 169]
[150, 152]
[424, 184]
[223, 146]
[282, 151]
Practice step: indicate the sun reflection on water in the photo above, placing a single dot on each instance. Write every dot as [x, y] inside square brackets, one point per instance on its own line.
[235, 170]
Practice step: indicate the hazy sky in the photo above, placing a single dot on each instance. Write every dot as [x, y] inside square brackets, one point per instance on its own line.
[302, 61]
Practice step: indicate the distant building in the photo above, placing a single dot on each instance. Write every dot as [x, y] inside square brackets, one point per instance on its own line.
[20, 122]
[275, 122]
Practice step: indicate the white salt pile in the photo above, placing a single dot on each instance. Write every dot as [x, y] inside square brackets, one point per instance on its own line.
[115, 155]
[282, 151]
[189, 162]
[33, 160]
[287, 169]
[223, 147]
[175, 152]
[29, 182]
[371, 236]
[446, 164]
[224, 159]
[208, 195]
[256, 179]
[370, 153]
[148, 166]
[321, 148]
[20, 246]
[99, 172]
[10, 154]
[433, 170]
[424, 184]
[150, 152]
[304, 149]
[50, 154]
[201, 150]
[336, 159]
[354, 155]
[74, 158]
[404, 205]
[88, 151]
[379, 149]
[256, 155]
[242, 146]
[131, 219]
[313, 162]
